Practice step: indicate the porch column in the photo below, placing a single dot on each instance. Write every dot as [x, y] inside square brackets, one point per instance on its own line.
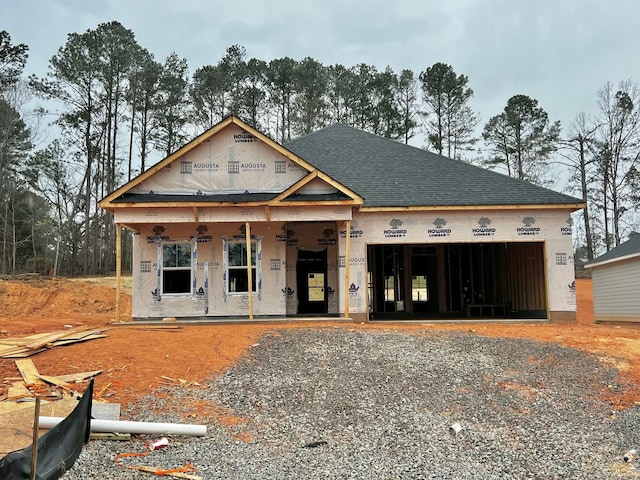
[118, 268]
[249, 276]
[347, 264]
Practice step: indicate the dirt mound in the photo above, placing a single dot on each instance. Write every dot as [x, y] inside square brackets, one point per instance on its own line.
[37, 304]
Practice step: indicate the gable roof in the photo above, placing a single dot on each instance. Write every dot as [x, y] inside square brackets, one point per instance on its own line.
[389, 174]
[124, 197]
[624, 251]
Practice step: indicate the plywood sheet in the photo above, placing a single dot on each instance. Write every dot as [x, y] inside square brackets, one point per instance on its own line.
[16, 427]
[78, 377]
[28, 371]
[26, 346]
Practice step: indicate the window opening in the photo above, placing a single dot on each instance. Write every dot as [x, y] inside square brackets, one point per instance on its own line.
[176, 268]
[237, 278]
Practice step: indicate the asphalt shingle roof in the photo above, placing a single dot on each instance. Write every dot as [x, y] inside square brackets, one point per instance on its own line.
[630, 247]
[391, 174]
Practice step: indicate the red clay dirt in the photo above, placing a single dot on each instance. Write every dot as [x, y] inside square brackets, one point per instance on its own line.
[135, 358]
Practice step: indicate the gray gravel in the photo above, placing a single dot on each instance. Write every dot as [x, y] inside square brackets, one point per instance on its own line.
[340, 403]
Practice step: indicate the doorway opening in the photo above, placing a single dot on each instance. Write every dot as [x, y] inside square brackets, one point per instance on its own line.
[311, 274]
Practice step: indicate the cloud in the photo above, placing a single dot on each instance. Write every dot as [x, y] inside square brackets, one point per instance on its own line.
[559, 52]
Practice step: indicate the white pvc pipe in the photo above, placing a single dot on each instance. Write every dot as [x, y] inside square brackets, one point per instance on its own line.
[120, 426]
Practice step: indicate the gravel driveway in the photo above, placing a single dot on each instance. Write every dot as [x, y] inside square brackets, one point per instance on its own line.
[340, 403]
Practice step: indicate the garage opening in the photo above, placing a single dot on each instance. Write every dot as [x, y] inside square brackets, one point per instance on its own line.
[487, 280]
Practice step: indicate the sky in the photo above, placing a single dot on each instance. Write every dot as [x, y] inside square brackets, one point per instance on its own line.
[559, 52]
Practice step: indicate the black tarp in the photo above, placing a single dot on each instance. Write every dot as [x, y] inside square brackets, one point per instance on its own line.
[58, 448]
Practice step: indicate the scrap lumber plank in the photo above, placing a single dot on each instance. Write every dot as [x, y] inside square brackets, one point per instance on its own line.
[45, 339]
[9, 349]
[22, 340]
[59, 384]
[18, 390]
[164, 473]
[53, 336]
[78, 377]
[109, 436]
[181, 381]
[156, 327]
[45, 391]
[79, 335]
[22, 353]
[28, 371]
[53, 381]
[60, 343]
[11, 406]
[16, 421]
[27, 346]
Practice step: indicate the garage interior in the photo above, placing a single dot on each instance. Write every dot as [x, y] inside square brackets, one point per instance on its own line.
[457, 281]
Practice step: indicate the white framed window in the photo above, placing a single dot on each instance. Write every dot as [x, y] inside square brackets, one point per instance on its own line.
[236, 275]
[176, 268]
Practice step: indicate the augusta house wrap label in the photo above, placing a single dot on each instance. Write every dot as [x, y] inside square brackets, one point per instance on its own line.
[340, 223]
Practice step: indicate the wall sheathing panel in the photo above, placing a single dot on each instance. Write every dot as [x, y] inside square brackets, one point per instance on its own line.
[544, 262]
[306, 213]
[209, 299]
[233, 161]
[232, 214]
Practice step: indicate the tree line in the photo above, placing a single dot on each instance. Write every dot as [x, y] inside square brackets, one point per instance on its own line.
[119, 108]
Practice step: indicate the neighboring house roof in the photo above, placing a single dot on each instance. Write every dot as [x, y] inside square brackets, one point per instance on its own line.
[391, 174]
[624, 251]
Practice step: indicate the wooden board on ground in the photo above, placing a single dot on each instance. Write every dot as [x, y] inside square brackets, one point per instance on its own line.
[7, 407]
[18, 390]
[156, 327]
[159, 471]
[21, 352]
[23, 340]
[60, 343]
[16, 424]
[78, 377]
[16, 427]
[26, 346]
[80, 335]
[16, 351]
[53, 336]
[64, 386]
[28, 371]
[109, 436]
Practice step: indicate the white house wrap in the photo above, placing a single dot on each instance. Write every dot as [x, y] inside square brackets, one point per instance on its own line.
[429, 237]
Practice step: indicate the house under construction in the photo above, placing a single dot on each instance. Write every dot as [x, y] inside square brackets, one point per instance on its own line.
[341, 223]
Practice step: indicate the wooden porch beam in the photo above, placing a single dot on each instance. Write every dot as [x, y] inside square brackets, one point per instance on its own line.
[118, 268]
[249, 275]
[347, 264]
